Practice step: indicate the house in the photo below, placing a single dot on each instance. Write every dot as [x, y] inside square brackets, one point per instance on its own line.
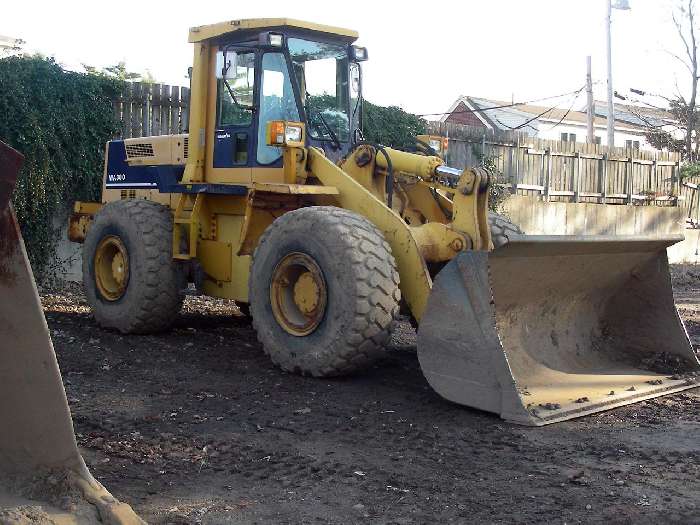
[568, 125]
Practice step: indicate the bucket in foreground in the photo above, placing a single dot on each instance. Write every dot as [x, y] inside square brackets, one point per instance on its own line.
[548, 328]
[43, 478]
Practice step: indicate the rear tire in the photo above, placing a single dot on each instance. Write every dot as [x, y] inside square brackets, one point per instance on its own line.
[348, 259]
[149, 296]
[502, 230]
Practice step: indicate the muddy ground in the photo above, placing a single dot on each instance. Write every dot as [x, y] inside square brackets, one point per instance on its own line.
[196, 426]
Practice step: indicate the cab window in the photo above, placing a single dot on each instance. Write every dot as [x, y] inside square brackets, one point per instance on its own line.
[277, 102]
[235, 92]
[322, 73]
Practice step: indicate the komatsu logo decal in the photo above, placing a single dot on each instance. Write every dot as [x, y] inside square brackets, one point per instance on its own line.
[118, 180]
[116, 177]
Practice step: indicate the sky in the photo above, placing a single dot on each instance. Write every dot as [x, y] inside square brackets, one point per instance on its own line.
[422, 55]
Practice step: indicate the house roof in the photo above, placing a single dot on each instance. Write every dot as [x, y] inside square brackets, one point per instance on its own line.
[505, 116]
[636, 115]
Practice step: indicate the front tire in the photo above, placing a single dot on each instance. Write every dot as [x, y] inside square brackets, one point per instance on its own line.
[131, 280]
[324, 291]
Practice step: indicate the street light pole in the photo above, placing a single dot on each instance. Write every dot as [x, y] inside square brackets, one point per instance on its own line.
[611, 108]
[623, 5]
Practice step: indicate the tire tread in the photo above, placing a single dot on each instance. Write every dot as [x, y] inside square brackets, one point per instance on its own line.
[376, 308]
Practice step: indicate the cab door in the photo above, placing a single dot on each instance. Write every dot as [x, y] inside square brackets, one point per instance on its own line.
[277, 101]
[234, 132]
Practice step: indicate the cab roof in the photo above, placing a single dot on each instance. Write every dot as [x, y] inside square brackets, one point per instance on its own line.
[198, 34]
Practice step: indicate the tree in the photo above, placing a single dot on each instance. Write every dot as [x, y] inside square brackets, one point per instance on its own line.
[60, 120]
[386, 125]
[391, 126]
[683, 109]
[119, 72]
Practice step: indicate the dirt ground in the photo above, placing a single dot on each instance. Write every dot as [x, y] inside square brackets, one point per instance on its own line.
[196, 426]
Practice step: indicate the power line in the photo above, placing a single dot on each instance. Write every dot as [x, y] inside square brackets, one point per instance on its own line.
[565, 114]
[514, 104]
[520, 126]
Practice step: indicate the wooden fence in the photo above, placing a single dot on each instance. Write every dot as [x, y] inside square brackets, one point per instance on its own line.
[554, 170]
[569, 171]
[151, 109]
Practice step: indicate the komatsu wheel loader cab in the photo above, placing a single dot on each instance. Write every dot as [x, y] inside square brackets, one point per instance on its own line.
[273, 199]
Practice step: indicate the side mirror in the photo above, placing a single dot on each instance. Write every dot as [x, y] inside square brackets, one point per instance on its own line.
[355, 78]
[226, 64]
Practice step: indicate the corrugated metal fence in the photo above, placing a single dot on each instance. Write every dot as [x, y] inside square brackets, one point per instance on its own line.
[151, 109]
[569, 171]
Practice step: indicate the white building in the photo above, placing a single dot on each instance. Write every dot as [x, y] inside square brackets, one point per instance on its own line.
[631, 122]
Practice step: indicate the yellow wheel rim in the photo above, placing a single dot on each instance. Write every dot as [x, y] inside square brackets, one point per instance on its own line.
[298, 294]
[111, 268]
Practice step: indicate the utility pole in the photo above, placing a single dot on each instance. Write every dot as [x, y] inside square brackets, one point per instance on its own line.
[623, 5]
[611, 108]
[589, 102]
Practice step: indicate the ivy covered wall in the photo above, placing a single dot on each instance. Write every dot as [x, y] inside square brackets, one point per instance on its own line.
[60, 121]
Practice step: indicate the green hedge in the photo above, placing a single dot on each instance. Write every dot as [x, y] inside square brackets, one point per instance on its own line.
[391, 126]
[60, 121]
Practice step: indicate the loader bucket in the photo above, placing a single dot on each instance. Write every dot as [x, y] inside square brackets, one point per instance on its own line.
[548, 328]
[43, 478]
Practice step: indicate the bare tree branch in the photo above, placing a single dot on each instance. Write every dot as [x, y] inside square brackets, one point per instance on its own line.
[679, 28]
[681, 60]
[684, 110]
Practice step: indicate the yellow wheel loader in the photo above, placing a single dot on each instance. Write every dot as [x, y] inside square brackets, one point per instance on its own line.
[274, 199]
[43, 478]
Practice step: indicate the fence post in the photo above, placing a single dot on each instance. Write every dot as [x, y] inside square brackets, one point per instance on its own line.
[164, 111]
[517, 164]
[136, 110]
[604, 180]
[175, 110]
[577, 176]
[548, 173]
[155, 110]
[629, 173]
[185, 97]
[146, 115]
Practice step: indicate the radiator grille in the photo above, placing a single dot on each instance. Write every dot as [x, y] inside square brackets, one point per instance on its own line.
[128, 194]
[139, 150]
[186, 146]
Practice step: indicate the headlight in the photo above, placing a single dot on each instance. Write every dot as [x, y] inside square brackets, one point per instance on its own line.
[292, 133]
[358, 54]
[275, 40]
[282, 133]
[435, 144]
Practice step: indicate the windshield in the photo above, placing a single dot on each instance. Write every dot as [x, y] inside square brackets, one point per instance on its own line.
[322, 73]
